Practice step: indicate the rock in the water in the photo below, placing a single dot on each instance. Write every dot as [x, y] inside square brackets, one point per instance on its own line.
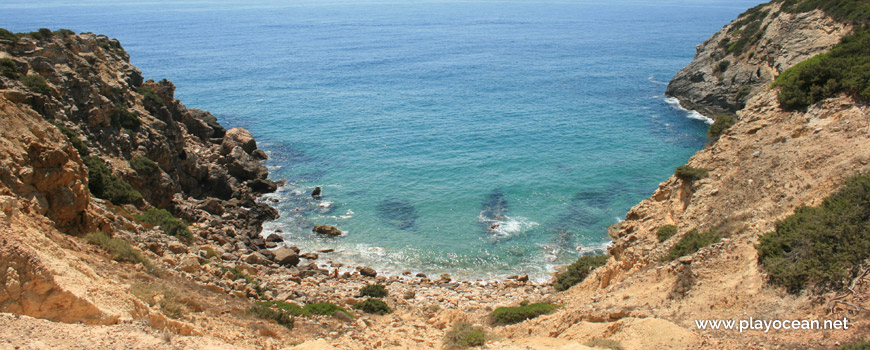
[316, 193]
[274, 237]
[523, 278]
[327, 230]
[309, 256]
[367, 271]
[286, 257]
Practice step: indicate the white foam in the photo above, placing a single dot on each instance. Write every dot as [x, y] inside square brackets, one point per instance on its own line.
[594, 248]
[673, 101]
[325, 204]
[508, 226]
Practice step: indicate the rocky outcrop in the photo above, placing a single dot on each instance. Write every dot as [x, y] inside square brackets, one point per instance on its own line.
[724, 75]
[327, 230]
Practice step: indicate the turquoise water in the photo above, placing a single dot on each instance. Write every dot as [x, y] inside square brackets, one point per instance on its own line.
[478, 138]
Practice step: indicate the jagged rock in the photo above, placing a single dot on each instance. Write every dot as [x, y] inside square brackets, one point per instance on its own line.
[327, 230]
[212, 206]
[286, 257]
[238, 137]
[367, 271]
[260, 155]
[243, 166]
[262, 185]
[256, 259]
[177, 248]
[316, 193]
[274, 237]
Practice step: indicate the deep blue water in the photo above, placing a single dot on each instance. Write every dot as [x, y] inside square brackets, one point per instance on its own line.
[479, 138]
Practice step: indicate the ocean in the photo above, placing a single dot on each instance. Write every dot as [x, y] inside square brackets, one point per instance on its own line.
[477, 138]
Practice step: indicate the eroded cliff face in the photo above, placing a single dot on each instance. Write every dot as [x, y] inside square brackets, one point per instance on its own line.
[725, 72]
[95, 104]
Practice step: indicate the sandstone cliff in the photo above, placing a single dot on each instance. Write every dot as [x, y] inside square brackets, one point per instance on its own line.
[744, 57]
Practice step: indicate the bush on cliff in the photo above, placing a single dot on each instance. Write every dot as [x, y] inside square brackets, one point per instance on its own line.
[105, 185]
[149, 95]
[373, 290]
[850, 11]
[578, 271]
[511, 315]
[123, 118]
[822, 247]
[688, 173]
[168, 223]
[74, 139]
[665, 232]
[279, 316]
[143, 165]
[722, 123]
[119, 249]
[36, 83]
[7, 35]
[690, 243]
[374, 306]
[463, 335]
[844, 69]
[8, 68]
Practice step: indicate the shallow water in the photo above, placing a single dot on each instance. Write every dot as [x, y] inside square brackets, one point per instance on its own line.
[479, 138]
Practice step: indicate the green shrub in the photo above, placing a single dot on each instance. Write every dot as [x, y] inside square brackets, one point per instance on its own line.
[578, 271]
[327, 309]
[844, 69]
[119, 249]
[150, 95]
[282, 317]
[690, 243]
[74, 139]
[144, 165]
[168, 223]
[36, 83]
[742, 92]
[822, 247]
[851, 11]
[463, 334]
[373, 290]
[123, 118]
[864, 345]
[511, 315]
[7, 35]
[105, 185]
[64, 32]
[665, 232]
[8, 68]
[374, 306]
[722, 123]
[688, 173]
[723, 66]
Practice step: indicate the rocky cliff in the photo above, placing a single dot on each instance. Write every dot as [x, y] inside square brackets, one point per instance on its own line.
[743, 58]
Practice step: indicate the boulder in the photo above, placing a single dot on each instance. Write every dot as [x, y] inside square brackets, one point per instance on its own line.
[327, 230]
[286, 257]
[177, 247]
[256, 259]
[238, 137]
[309, 256]
[316, 193]
[274, 237]
[244, 167]
[189, 264]
[367, 271]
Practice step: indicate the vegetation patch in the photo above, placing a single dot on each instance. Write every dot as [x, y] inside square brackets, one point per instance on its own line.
[863, 345]
[690, 174]
[149, 95]
[8, 68]
[327, 309]
[105, 185]
[373, 290]
[279, 316]
[747, 28]
[374, 306]
[143, 165]
[463, 335]
[690, 243]
[665, 232]
[36, 83]
[578, 271]
[821, 248]
[123, 118]
[119, 249]
[851, 11]
[74, 139]
[844, 69]
[511, 315]
[171, 302]
[722, 123]
[7, 35]
[168, 223]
